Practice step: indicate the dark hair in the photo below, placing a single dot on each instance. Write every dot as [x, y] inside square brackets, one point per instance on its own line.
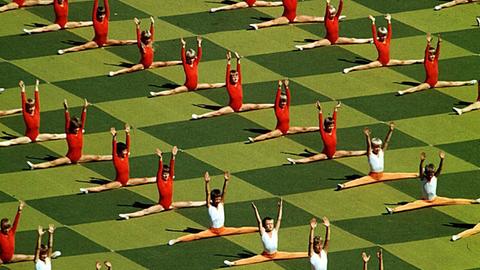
[100, 11]
[145, 36]
[215, 193]
[74, 124]
[317, 239]
[43, 249]
[328, 121]
[4, 222]
[430, 168]
[30, 103]
[120, 147]
[166, 168]
[264, 220]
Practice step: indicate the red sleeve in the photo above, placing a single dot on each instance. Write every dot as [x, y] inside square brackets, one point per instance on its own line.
[107, 9]
[437, 51]
[160, 169]
[426, 51]
[152, 30]
[24, 101]
[327, 11]
[67, 121]
[339, 11]
[139, 42]
[320, 122]
[389, 34]
[37, 102]
[199, 57]
[94, 12]
[128, 141]
[287, 89]
[55, 6]
[277, 97]
[374, 32]
[335, 120]
[184, 58]
[239, 72]
[227, 74]
[83, 118]
[114, 146]
[172, 168]
[15, 222]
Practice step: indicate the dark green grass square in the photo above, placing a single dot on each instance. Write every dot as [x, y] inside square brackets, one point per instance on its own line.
[204, 254]
[54, 121]
[14, 157]
[205, 22]
[452, 69]
[79, 209]
[290, 64]
[452, 185]
[69, 242]
[467, 151]
[36, 45]
[241, 213]
[401, 227]
[423, 103]
[186, 167]
[361, 28]
[169, 50]
[103, 88]
[463, 38]
[352, 257]
[82, 11]
[5, 197]
[286, 179]
[264, 92]
[14, 74]
[394, 6]
[204, 132]
[353, 138]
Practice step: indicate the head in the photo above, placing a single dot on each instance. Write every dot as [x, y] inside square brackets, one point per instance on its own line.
[429, 171]
[165, 172]
[145, 37]
[60, 2]
[328, 124]
[5, 225]
[317, 244]
[376, 145]
[75, 125]
[43, 252]
[216, 197]
[101, 13]
[333, 11]
[382, 33]
[122, 150]
[190, 55]
[30, 105]
[283, 100]
[431, 54]
[234, 76]
[268, 224]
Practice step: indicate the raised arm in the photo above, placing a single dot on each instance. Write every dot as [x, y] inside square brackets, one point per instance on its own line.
[23, 95]
[127, 137]
[326, 223]
[335, 110]
[437, 50]
[152, 28]
[365, 259]
[279, 214]
[226, 177]
[440, 166]
[388, 17]
[259, 219]
[160, 164]
[107, 9]
[313, 225]
[84, 114]
[391, 127]
[427, 49]
[287, 91]
[17, 217]
[320, 116]
[229, 65]
[114, 141]
[172, 161]
[51, 230]
[94, 11]
[182, 51]
[339, 11]
[139, 35]
[374, 28]
[368, 140]
[39, 243]
[208, 198]
[239, 67]
[199, 49]
[380, 259]
[279, 94]
[37, 97]
[67, 116]
[420, 167]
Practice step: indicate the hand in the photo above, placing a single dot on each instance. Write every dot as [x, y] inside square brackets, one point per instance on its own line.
[182, 41]
[388, 17]
[319, 106]
[226, 175]
[85, 103]
[371, 18]
[366, 131]
[280, 203]
[113, 131]
[429, 37]
[199, 40]
[22, 85]
[441, 154]
[380, 254]
[37, 83]
[51, 228]
[158, 152]
[391, 125]
[439, 38]
[326, 222]
[137, 21]
[313, 223]
[40, 230]
[286, 82]
[21, 205]
[174, 150]
[237, 56]
[108, 264]
[339, 103]
[328, 2]
[229, 56]
[207, 177]
[127, 128]
[422, 156]
[65, 104]
[152, 21]
[98, 266]
[365, 258]
[254, 206]
[280, 83]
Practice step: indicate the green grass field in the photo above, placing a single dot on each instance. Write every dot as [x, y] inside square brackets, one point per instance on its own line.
[88, 229]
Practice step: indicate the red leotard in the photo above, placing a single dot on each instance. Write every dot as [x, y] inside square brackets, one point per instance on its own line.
[32, 122]
[383, 48]
[146, 51]
[100, 27]
[121, 165]
[282, 114]
[234, 90]
[19, 2]
[331, 25]
[250, 2]
[165, 187]
[191, 71]
[431, 67]
[7, 241]
[290, 9]
[329, 139]
[61, 12]
[74, 140]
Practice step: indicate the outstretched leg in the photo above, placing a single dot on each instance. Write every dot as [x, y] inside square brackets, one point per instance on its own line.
[451, 4]
[159, 64]
[418, 88]
[116, 42]
[141, 181]
[343, 153]
[346, 40]
[318, 43]
[48, 164]
[21, 258]
[203, 86]
[188, 204]
[90, 158]
[86, 46]
[230, 7]
[222, 111]
[133, 68]
[177, 90]
[370, 65]
[194, 236]
[441, 84]
[251, 107]
[147, 211]
[294, 130]
[438, 201]
[29, 3]
[314, 158]
[471, 107]
[268, 4]
[214, 233]
[48, 28]
[308, 19]
[269, 135]
[376, 178]
[108, 186]
[278, 21]
[467, 233]
[9, 6]
[9, 112]
[50, 137]
[71, 25]
[19, 140]
[395, 62]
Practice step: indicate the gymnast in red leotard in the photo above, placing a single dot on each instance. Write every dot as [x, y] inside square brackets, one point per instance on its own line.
[382, 43]
[31, 117]
[164, 179]
[16, 4]
[332, 17]
[190, 61]
[61, 20]
[328, 131]
[247, 4]
[100, 18]
[289, 16]
[74, 128]
[145, 45]
[282, 112]
[431, 70]
[233, 83]
[120, 154]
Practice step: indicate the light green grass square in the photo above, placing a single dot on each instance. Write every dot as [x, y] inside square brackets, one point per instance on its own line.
[172, 7]
[11, 25]
[29, 219]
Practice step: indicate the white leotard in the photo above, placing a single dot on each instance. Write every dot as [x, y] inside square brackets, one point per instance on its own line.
[270, 244]
[319, 261]
[429, 188]
[217, 215]
[376, 161]
[41, 265]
